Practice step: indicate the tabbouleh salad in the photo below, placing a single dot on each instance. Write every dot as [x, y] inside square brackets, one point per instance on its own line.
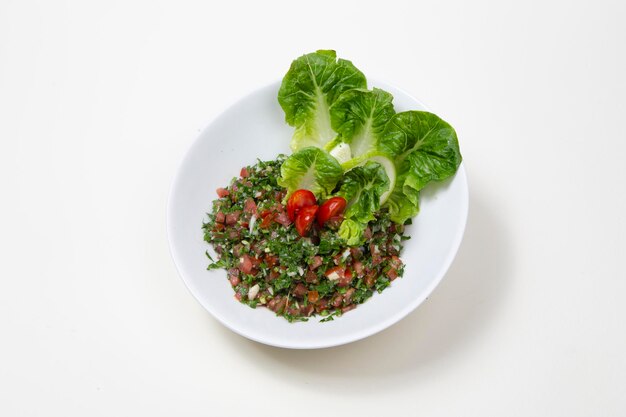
[318, 231]
[269, 264]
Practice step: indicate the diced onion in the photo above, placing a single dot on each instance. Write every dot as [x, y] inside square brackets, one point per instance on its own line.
[252, 222]
[333, 276]
[253, 291]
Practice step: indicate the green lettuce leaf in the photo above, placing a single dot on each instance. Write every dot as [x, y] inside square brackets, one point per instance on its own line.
[425, 149]
[312, 84]
[362, 188]
[359, 117]
[352, 232]
[312, 169]
[388, 165]
[402, 203]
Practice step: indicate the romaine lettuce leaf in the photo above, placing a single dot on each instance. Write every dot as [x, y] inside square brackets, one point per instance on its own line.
[359, 117]
[312, 84]
[312, 169]
[426, 149]
[351, 231]
[386, 155]
[362, 188]
[341, 151]
[389, 166]
[402, 203]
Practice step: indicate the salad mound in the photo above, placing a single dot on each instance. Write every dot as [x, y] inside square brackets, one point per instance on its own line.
[271, 264]
[318, 231]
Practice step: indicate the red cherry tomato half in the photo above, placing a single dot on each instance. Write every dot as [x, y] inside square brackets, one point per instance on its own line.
[304, 220]
[331, 208]
[298, 200]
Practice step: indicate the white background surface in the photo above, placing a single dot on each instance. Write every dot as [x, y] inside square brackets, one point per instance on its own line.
[99, 102]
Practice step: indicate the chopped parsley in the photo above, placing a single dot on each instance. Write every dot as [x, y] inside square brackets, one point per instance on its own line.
[270, 265]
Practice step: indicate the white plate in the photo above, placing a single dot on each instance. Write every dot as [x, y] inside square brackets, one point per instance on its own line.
[254, 128]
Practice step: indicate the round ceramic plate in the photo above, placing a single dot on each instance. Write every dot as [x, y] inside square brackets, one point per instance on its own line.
[254, 128]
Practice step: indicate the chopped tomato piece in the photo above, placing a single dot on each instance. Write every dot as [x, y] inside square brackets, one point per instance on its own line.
[313, 296]
[348, 308]
[370, 279]
[278, 208]
[347, 297]
[358, 268]
[316, 262]
[237, 249]
[321, 305]
[245, 264]
[392, 274]
[335, 273]
[356, 253]
[271, 261]
[277, 304]
[337, 300]
[395, 262]
[346, 279]
[244, 172]
[279, 195]
[267, 220]
[231, 218]
[299, 290]
[249, 206]
[376, 256]
[310, 277]
[283, 219]
[307, 310]
[273, 275]
[222, 192]
[234, 280]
